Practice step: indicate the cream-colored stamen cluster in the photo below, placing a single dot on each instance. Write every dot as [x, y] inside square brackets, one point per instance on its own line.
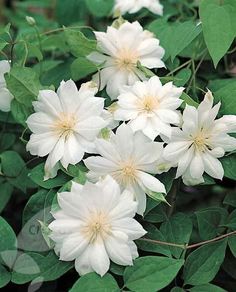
[98, 227]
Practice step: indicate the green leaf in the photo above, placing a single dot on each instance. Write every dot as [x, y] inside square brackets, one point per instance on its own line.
[5, 195]
[15, 170]
[232, 221]
[154, 234]
[204, 263]
[79, 45]
[207, 288]
[8, 237]
[229, 165]
[232, 244]
[174, 38]
[209, 221]
[5, 276]
[188, 100]
[177, 229]
[182, 77]
[100, 8]
[81, 68]
[93, 282]
[37, 176]
[153, 213]
[49, 268]
[226, 96]
[217, 27]
[230, 199]
[151, 273]
[24, 84]
[20, 112]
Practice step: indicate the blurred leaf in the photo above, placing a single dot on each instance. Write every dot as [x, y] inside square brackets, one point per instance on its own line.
[15, 170]
[5, 195]
[207, 288]
[5, 276]
[100, 8]
[8, 238]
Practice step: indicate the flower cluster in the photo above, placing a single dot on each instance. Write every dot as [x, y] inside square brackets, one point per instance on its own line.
[147, 135]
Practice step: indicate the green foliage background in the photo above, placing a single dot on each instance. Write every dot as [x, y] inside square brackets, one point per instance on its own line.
[199, 39]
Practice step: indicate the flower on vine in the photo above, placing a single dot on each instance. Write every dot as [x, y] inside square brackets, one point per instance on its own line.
[96, 225]
[150, 107]
[119, 51]
[129, 158]
[5, 95]
[133, 6]
[202, 139]
[65, 124]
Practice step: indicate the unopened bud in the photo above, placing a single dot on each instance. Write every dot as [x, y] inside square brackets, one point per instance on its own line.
[31, 21]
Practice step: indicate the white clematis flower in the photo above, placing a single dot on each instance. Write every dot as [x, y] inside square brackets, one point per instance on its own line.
[5, 95]
[150, 107]
[119, 50]
[96, 225]
[133, 6]
[65, 124]
[197, 145]
[129, 158]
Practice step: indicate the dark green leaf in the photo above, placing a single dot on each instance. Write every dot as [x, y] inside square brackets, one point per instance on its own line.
[37, 176]
[204, 263]
[177, 229]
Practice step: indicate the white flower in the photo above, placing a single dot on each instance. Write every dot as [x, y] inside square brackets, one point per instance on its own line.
[133, 6]
[128, 158]
[96, 225]
[5, 95]
[150, 107]
[196, 147]
[65, 124]
[120, 50]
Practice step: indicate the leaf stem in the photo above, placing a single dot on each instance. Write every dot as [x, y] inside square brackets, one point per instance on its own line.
[185, 246]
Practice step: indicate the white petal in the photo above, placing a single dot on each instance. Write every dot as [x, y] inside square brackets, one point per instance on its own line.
[196, 166]
[212, 166]
[130, 227]
[98, 258]
[150, 182]
[5, 100]
[82, 263]
[118, 249]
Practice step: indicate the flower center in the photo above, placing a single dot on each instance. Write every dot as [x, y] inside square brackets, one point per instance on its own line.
[65, 124]
[97, 227]
[200, 141]
[127, 173]
[149, 103]
[126, 59]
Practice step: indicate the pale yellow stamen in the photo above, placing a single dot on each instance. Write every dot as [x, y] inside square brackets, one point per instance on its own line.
[127, 173]
[97, 227]
[148, 104]
[65, 124]
[126, 59]
[200, 141]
